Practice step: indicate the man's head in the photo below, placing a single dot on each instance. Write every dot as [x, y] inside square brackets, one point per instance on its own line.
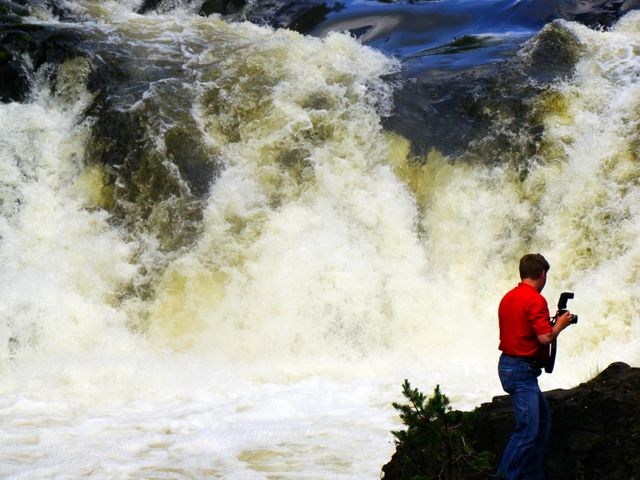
[534, 268]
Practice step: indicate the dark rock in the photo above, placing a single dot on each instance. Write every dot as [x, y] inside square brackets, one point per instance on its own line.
[8, 7]
[148, 6]
[223, 7]
[8, 18]
[207, 8]
[25, 48]
[595, 433]
[13, 83]
[210, 7]
[26, 7]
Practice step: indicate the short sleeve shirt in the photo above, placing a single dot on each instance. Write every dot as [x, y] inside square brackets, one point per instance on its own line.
[523, 315]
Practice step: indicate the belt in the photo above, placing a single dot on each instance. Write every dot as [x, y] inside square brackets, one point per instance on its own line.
[532, 361]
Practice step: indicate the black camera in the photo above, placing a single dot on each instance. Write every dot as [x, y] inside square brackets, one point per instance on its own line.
[562, 306]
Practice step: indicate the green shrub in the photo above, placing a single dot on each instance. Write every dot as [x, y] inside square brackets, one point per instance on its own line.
[434, 445]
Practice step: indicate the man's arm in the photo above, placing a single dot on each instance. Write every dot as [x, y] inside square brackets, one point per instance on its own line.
[562, 322]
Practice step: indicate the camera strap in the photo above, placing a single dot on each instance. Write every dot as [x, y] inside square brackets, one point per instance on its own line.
[553, 347]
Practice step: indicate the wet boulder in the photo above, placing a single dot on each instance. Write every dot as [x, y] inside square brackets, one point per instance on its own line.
[25, 48]
[12, 9]
[223, 7]
[206, 8]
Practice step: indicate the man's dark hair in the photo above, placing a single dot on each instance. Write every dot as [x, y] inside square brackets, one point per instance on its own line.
[532, 265]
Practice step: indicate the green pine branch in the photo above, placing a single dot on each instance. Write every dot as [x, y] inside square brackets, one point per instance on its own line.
[434, 441]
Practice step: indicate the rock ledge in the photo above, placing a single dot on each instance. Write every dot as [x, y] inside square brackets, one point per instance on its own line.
[595, 433]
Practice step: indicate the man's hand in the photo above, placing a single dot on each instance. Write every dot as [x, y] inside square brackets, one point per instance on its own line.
[562, 322]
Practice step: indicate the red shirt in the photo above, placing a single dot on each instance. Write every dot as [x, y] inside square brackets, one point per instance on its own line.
[523, 315]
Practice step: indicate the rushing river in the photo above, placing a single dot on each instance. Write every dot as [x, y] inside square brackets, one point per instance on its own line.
[220, 257]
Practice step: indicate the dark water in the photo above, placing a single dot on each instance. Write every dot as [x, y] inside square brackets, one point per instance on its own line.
[455, 55]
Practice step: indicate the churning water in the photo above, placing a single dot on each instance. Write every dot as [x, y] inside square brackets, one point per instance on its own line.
[260, 323]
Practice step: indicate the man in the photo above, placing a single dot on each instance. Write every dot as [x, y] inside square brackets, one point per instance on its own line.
[525, 335]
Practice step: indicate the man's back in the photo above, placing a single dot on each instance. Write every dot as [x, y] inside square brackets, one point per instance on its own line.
[523, 315]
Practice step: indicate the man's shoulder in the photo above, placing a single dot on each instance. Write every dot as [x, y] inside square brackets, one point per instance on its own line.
[524, 293]
[523, 289]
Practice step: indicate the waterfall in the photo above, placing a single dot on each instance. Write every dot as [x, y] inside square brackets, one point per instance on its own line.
[217, 262]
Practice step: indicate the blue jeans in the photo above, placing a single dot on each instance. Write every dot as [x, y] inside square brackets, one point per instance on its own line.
[524, 456]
